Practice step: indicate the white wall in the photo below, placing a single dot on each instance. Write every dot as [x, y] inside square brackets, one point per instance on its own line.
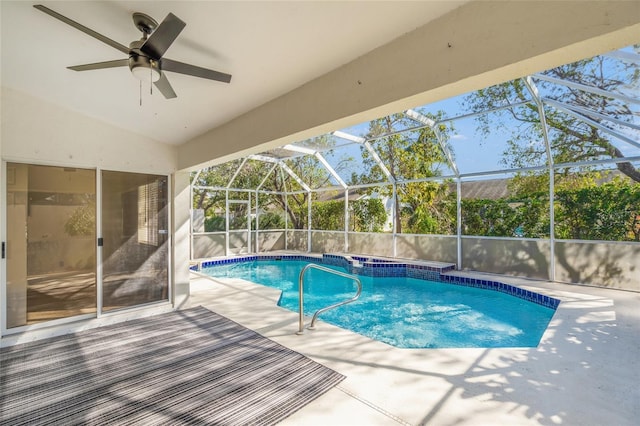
[181, 244]
[39, 132]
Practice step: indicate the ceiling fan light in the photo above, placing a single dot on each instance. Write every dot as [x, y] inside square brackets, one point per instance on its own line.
[144, 69]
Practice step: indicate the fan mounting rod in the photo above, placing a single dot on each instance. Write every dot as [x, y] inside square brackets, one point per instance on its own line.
[144, 23]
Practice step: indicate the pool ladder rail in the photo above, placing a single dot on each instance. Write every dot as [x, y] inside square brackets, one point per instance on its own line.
[319, 311]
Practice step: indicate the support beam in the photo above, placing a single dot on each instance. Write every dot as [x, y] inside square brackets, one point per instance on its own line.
[597, 125]
[535, 93]
[588, 89]
[235, 175]
[420, 118]
[592, 114]
[330, 169]
[294, 176]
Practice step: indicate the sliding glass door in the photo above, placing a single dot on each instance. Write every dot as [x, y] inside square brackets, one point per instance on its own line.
[135, 232]
[53, 244]
[50, 243]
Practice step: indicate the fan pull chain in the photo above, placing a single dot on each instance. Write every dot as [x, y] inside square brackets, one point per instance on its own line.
[151, 77]
[140, 92]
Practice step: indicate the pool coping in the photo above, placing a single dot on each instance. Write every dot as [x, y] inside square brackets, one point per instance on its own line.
[379, 266]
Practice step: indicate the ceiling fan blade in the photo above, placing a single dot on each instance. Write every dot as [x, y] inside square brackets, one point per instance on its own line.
[162, 37]
[101, 65]
[182, 68]
[89, 31]
[165, 87]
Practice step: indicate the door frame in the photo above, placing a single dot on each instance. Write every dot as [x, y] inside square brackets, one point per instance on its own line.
[248, 229]
[83, 321]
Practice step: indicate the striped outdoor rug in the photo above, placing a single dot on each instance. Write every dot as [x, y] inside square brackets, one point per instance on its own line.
[185, 367]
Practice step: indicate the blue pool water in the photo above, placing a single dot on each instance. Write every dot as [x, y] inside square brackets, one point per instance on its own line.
[403, 312]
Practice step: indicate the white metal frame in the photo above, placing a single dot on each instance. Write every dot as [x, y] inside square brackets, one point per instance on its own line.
[587, 116]
[66, 324]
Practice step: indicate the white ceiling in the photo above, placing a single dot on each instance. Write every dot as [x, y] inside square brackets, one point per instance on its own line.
[269, 47]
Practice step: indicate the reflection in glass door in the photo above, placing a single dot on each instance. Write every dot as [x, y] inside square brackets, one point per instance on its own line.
[51, 236]
[135, 234]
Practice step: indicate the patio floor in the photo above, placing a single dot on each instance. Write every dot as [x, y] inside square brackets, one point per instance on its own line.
[585, 371]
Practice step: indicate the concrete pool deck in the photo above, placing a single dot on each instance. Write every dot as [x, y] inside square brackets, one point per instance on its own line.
[585, 371]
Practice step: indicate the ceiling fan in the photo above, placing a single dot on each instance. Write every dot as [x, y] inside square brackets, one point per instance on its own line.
[145, 56]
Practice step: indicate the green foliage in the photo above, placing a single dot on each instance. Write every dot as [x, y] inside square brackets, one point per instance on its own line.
[214, 224]
[269, 220]
[609, 212]
[427, 208]
[367, 215]
[328, 215]
[528, 218]
[296, 207]
[415, 154]
[494, 218]
[533, 217]
[583, 210]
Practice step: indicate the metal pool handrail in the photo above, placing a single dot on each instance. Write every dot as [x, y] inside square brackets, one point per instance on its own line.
[319, 311]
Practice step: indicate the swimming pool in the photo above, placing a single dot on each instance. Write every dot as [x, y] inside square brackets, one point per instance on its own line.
[403, 311]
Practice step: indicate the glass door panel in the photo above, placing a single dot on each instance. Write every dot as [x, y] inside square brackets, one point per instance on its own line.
[51, 235]
[135, 234]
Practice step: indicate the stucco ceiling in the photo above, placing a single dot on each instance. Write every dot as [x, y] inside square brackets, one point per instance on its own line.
[270, 48]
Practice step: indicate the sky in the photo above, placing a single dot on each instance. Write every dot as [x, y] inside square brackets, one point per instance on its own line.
[476, 153]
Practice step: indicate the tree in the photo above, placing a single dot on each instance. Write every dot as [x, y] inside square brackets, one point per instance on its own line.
[310, 170]
[588, 204]
[528, 218]
[213, 201]
[328, 215]
[428, 208]
[367, 215]
[571, 139]
[409, 155]
[609, 211]
[295, 203]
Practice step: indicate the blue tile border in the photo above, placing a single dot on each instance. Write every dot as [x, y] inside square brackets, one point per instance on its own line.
[531, 296]
[378, 267]
[255, 257]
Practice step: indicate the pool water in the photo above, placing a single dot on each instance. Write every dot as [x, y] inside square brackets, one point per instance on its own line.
[403, 312]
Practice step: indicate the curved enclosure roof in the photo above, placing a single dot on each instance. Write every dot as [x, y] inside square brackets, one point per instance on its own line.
[585, 113]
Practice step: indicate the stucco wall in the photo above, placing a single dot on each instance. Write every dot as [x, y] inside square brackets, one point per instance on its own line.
[614, 265]
[327, 242]
[427, 247]
[208, 246]
[519, 257]
[297, 240]
[271, 240]
[380, 244]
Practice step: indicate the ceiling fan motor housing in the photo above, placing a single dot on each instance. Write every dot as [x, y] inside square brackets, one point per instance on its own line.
[144, 68]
